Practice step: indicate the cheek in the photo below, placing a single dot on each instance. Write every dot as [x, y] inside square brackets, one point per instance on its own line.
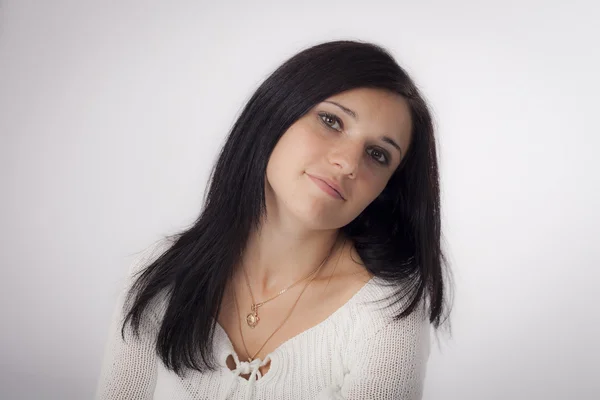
[287, 161]
[296, 149]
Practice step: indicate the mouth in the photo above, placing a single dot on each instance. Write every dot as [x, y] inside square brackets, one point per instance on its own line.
[324, 186]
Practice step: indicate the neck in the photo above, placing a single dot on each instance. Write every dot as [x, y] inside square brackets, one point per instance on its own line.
[275, 259]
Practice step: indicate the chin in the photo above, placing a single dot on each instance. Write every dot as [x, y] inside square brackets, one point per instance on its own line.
[318, 215]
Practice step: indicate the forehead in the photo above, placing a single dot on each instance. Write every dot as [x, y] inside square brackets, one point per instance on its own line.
[377, 111]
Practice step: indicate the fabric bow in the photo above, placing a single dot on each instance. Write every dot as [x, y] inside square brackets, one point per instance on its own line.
[252, 368]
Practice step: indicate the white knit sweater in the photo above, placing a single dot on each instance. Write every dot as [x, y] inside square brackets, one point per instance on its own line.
[358, 352]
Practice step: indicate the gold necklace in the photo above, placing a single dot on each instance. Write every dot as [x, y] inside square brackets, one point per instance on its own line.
[250, 358]
[252, 318]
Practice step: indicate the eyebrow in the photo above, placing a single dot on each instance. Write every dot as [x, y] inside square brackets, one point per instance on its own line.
[391, 141]
[348, 111]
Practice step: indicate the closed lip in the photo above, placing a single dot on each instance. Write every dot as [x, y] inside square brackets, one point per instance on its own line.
[331, 183]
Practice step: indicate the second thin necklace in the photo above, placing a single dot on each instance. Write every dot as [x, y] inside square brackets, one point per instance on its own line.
[252, 318]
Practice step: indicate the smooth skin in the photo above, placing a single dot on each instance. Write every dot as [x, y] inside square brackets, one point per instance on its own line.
[356, 139]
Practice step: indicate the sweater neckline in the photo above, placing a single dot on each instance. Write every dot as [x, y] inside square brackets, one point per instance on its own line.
[273, 355]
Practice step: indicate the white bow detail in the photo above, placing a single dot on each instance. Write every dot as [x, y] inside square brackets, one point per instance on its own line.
[252, 368]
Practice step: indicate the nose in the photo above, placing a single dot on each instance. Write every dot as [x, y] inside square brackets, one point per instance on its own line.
[346, 158]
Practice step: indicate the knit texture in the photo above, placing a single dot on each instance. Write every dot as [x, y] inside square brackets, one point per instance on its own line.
[358, 352]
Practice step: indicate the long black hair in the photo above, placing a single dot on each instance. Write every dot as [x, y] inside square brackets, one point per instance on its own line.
[397, 236]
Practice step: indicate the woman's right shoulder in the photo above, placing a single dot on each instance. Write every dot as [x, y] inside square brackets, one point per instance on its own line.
[141, 260]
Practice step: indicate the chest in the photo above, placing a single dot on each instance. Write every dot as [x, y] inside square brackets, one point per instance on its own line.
[290, 315]
[294, 364]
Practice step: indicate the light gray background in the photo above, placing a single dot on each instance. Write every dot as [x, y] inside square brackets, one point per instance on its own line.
[111, 116]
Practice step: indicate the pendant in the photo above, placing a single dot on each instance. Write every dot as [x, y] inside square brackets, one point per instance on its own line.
[252, 319]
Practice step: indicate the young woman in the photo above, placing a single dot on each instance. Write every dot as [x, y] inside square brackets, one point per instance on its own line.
[315, 268]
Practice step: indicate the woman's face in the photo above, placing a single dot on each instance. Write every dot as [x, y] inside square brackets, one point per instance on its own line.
[355, 140]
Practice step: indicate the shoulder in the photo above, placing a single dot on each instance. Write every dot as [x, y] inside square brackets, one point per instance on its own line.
[140, 261]
[385, 355]
[376, 308]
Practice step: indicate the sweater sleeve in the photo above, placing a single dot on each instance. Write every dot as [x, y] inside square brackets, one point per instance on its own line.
[391, 365]
[129, 368]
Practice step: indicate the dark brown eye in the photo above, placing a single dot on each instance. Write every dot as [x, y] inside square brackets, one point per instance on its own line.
[380, 156]
[331, 121]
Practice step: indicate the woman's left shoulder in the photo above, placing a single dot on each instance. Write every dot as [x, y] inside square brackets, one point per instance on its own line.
[380, 303]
